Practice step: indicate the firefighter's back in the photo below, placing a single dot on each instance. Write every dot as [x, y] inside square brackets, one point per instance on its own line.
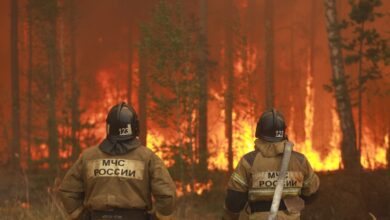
[252, 184]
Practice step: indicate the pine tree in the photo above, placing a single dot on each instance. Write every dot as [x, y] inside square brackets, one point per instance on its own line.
[203, 88]
[15, 85]
[229, 81]
[269, 54]
[366, 49]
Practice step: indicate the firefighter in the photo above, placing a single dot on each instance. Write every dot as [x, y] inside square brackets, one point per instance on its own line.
[117, 179]
[253, 182]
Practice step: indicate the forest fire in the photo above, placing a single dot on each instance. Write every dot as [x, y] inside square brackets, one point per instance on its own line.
[197, 74]
[373, 154]
[199, 188]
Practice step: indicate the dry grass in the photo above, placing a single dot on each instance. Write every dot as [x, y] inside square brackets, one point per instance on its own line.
[15, 210]
[335, 200]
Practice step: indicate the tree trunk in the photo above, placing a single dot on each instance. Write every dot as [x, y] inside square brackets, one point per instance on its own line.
[293, 85]
[52, 96]
[388, 148]
[75, 91]
[229, 84]
[360, 94]
[29, 82]
[203, 87]
[63, 79]
[387, 141]
[142, 97]
[15, 85]
[312, 37]
[130, 63]
[349, 152]
[269, 54]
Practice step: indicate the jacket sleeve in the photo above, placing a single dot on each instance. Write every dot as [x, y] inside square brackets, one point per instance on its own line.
[71, 190]
[237, 192]
[163, 188]
[311, 182]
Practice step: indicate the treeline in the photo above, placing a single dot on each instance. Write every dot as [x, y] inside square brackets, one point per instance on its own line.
[46, 113]
[193, 71]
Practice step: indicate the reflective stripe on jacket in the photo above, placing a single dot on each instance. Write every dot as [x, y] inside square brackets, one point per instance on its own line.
[257, 172]
[98, 181]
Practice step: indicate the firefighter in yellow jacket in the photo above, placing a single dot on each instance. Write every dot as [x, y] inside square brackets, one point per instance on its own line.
[117, 179]
[252, 184]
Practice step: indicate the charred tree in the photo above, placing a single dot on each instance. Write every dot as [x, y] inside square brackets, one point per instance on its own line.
[292, 83]
[269, 53]
[130, 62]
[253, 39]
[29, 80]
[360, 94]
[75, 90]
[15, 85]
[349, 152]
[312, 37]
[229, 80]
[142, 96]
[49, 11]
[388, 149]
[203, 88]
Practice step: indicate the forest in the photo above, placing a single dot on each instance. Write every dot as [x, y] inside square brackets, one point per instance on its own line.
[199, 74]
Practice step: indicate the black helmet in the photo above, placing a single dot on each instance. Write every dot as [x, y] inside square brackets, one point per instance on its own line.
[122, 123]
[271, 126]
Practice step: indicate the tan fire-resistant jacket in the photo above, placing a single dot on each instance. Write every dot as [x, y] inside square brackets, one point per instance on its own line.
[98, 181]
[259, 179]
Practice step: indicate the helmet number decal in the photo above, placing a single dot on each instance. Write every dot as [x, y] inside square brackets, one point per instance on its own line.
[279, 133]
[126, 131]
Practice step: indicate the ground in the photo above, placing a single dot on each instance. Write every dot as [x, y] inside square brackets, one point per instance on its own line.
[336, 199]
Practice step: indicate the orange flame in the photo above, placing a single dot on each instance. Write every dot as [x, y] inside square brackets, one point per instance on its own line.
[199, 188]
[373, 155]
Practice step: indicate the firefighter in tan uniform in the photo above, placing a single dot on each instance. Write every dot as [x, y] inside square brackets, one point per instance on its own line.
[252, 184]
[117, 179]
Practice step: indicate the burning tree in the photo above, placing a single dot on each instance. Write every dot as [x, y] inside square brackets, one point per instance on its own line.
[366, 53]
[15, 84]
[229, 81]
[53, 86]
[239, 65]
[349, 152]
[366, 49]
[45, 16]
[202, 71]
[170, 43]
[269, 54]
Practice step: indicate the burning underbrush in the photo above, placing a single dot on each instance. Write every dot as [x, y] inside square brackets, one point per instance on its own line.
[335, 199]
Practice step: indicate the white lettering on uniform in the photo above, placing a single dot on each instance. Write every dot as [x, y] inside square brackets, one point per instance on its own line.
[131, 169]
[270, 179]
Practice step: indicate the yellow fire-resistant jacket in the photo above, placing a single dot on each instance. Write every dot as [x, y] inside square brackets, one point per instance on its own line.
[255, 178]
[99, 181]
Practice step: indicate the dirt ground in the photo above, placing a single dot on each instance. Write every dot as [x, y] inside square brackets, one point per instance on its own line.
[337, 198]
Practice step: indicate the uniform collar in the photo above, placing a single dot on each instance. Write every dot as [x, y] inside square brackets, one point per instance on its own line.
[113, 147]
[269, 149]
